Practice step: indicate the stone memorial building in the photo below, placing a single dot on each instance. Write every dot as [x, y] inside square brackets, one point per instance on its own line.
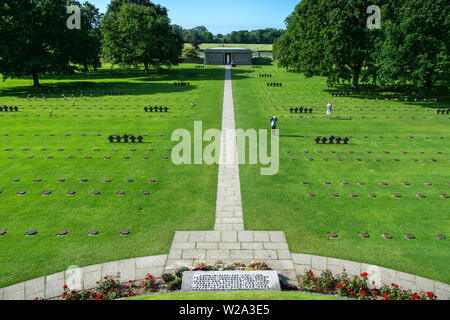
[221, 56]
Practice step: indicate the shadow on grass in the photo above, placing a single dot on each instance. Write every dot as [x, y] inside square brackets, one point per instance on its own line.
[87, 84]
[401, 93]
[55, 90]
[290, 136]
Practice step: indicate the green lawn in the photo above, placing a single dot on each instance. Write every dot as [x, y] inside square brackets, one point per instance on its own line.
[242, 295]
[253, 47]
[183, 198]
[280, 202]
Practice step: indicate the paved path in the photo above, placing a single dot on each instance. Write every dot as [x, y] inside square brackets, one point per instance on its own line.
[229, 242]
[229, 205]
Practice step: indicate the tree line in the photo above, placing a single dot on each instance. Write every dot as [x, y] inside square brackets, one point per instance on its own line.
[35, 39]
[200, 34]
[331, 38]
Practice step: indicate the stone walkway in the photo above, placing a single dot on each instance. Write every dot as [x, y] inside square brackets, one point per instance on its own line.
[229, 242]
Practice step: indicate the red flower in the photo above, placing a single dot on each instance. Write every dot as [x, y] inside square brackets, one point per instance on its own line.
[65, 286]
[364, 274]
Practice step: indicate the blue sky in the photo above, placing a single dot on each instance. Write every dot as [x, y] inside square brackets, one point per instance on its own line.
[224, 16]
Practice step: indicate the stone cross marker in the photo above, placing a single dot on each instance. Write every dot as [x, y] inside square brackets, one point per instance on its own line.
[230, 281]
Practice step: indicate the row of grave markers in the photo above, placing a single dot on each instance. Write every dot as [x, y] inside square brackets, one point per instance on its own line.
[331, 235]
[125, 138]
[360, 160]
[301, 109]
[274, 84]
[66, 232]
[332, 139]
[11, 108]
[151, 109]
[83, 180]
[372, 195]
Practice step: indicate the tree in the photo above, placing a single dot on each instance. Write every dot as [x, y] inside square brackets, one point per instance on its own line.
[34, 38]
[137, 32]
[415, 43]
[329, 37]
[86, 42]
[190, 53]
[196, 42]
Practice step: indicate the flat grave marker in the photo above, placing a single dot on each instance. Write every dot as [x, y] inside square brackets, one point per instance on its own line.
[230, 281]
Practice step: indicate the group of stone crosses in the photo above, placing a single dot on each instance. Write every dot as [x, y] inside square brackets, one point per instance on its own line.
[443, 111]
[301, 109]
[151, 109]
[11, 108]
[331, 140]
[182, 84]
[126, 138]
[341, 94]
[274, 84]
[112, 93]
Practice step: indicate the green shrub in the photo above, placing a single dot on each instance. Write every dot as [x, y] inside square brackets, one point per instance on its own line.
[175, 284]
[326, 281]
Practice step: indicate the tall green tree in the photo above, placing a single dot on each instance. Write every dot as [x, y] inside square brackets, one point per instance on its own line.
[86, 42]
[329, 37]
[137, 32]
[415, 44]
[34, 38]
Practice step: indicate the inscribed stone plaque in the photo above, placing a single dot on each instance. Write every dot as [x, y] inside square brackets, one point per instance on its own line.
[230, 281]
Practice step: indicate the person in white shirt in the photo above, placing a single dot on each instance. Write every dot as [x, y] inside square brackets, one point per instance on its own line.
[329, 109]
[273, 124]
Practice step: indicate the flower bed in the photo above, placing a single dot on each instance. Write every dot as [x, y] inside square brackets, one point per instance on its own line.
[357, 287]
[110, 288]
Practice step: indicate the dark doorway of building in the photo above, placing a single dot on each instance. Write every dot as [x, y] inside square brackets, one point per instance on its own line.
[227, 58]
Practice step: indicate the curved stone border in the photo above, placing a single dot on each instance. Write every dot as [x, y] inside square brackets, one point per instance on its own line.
[379, 275]
[52, 285]
[135, 269]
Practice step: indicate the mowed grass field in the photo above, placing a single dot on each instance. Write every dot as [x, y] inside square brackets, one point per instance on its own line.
[253, 47]
[419, 155]
[182, 198]
[34, 145]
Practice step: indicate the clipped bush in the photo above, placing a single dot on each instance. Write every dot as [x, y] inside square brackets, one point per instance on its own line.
[175, 284]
